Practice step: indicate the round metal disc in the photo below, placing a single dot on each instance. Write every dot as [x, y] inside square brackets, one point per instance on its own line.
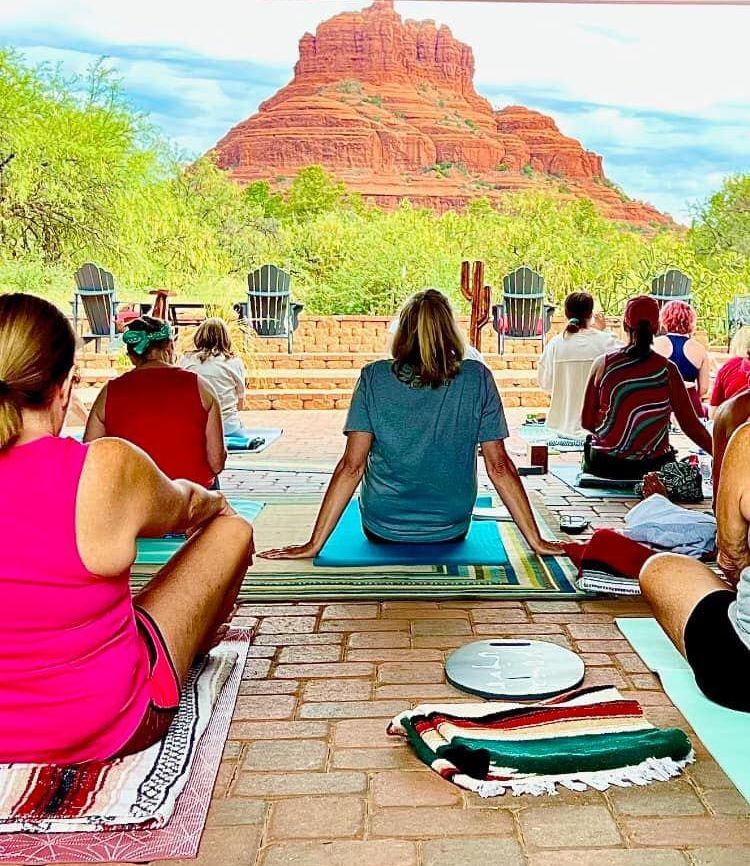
[514, 669]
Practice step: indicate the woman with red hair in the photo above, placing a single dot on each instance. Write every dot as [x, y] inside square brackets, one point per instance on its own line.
[677, 343]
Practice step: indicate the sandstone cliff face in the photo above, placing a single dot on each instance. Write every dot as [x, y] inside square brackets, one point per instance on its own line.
[389, 106]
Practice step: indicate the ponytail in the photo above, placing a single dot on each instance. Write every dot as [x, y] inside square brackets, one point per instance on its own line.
[641, 340]
[579, 308]
[11, 421]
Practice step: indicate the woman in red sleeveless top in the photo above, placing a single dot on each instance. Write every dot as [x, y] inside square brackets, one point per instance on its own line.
[170, 413]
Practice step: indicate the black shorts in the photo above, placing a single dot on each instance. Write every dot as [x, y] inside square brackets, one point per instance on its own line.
[718, 656]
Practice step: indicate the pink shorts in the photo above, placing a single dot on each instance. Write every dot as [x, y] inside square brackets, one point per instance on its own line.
[164, 687]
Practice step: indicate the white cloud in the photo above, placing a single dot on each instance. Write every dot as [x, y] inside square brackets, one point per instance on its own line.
[647, 86]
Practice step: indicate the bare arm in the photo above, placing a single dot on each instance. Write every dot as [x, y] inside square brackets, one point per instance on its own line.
[729, 416]
[733, 506]
[123, 495]
[216, 452]
[590, 411]
[95, 426]
[504, 477]
[346, 477]
[704, 377]
[684, 411]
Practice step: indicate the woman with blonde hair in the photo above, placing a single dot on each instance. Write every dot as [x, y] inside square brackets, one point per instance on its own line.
[172, 414]
[216, 363]
[734, 375]
[412, 433]
[87, 671]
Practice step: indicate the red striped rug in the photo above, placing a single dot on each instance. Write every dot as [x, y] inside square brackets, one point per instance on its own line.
[181, 836]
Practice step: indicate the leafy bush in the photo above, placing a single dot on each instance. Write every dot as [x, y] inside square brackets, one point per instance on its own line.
[83, 177]
[528, 170]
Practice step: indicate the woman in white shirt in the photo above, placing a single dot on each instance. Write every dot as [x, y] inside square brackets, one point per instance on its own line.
[215, 362]
[706, 617]
[566, 361]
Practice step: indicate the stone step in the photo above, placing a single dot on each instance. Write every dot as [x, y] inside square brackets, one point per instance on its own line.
[344, 379]
[357, 360]
[97, 375]
[313, 398]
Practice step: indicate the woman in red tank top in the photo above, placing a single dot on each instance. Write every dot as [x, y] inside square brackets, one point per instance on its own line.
[168, 412]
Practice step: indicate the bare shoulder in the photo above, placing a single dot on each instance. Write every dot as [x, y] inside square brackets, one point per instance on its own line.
[111, 460]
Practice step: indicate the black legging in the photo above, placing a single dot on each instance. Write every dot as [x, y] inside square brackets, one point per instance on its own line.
[598, 462]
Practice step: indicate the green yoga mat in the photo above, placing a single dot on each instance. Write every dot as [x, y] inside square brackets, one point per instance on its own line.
[722, 731]
[157, 551]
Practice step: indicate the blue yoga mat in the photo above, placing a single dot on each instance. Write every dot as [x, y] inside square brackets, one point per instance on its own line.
[349, 546]
[157, 551]
[722, 731]
[269, 435]
[240, 443]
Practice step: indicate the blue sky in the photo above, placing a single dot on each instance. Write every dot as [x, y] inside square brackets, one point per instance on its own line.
[660, 91]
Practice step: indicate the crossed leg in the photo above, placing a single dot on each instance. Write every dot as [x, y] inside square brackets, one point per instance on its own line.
[673, 585]
[194, 593]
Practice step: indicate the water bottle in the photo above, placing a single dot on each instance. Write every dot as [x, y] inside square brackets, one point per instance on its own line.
[704, 462]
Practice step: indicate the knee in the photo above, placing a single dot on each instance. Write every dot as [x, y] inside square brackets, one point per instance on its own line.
[236, 535]
[658, 569]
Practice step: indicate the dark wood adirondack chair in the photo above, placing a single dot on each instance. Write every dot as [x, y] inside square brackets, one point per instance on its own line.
[523, 313]
[738, 315]
[269, 309]
[95, 292]
[672, 285]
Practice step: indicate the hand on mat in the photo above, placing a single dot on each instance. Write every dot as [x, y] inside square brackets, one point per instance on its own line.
[549, 548]
[294, 551]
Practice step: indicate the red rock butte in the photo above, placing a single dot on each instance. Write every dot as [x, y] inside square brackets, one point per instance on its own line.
[389, 107]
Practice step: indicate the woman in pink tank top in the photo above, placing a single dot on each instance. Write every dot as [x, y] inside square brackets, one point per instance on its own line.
[88, 672]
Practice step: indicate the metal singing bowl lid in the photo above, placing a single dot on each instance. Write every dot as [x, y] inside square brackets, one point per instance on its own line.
[514, 669]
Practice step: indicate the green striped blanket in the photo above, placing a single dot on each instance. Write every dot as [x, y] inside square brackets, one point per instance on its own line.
[590, 738]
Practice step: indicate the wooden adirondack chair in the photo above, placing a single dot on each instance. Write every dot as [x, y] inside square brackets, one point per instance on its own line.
[95, 292]
[672, 285]
[523, 313]
[269, 309]
[738, 315]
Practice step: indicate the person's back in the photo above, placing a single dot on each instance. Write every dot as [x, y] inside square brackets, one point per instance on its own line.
[160, 409]
[421, 480]
[634, 406]
[215, 362]
[566, 371]
[63, 630]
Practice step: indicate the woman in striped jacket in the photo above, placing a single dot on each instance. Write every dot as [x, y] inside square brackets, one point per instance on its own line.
[630, 397]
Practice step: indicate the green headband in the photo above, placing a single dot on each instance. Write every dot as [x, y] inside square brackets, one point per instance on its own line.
[139, 341]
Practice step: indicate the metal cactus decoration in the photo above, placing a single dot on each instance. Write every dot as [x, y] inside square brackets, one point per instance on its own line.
[478, 294]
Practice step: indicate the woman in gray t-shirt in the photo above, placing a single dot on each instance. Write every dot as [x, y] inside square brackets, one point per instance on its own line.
[412, 433]
[707, 618]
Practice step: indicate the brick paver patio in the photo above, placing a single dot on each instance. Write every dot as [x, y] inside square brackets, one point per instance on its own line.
[310, 778]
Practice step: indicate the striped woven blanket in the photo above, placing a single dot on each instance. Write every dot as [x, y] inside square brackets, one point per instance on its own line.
[590, 738]
[139, 791]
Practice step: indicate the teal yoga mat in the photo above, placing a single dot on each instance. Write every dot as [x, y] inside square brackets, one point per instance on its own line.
[722, 731]
[348, 546]
[238, 444]
[570, 475]
[157, 551]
